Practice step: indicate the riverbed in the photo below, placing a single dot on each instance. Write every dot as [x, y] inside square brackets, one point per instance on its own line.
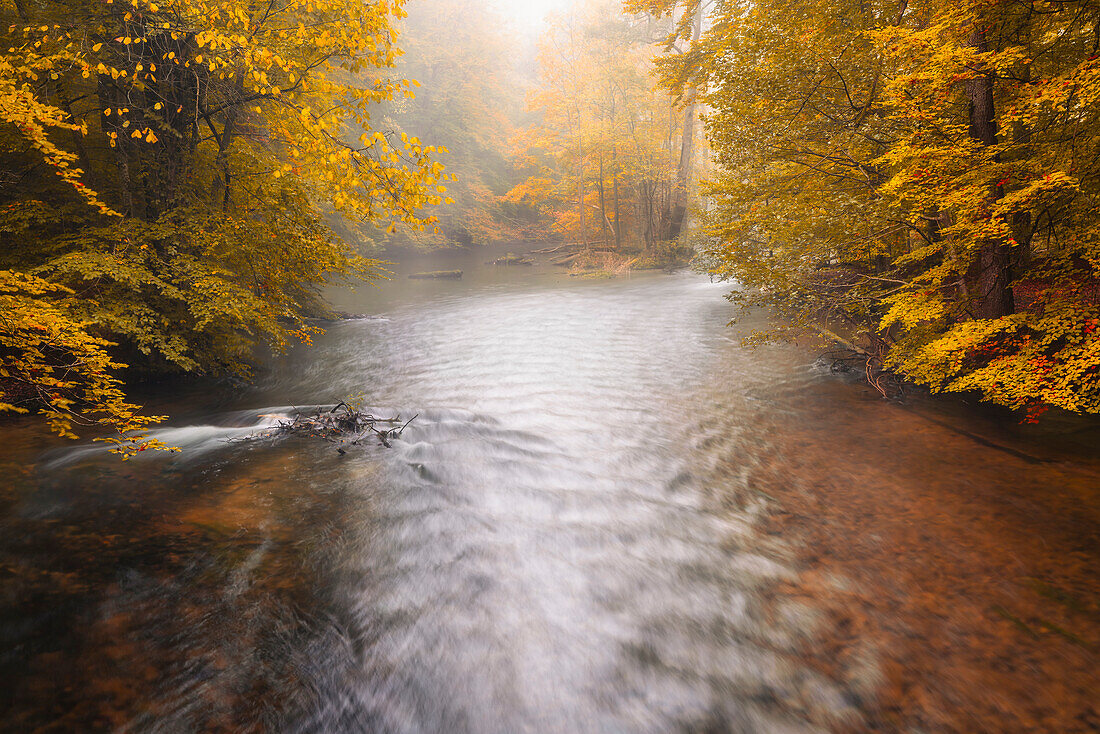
[607, 516]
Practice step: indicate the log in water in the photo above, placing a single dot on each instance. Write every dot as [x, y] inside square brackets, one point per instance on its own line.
[449, 274]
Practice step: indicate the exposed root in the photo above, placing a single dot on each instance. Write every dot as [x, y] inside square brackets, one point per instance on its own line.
[885, 382]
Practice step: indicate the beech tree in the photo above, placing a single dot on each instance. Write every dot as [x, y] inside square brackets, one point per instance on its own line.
[1001, 156]
[924, 171]
[177, 163]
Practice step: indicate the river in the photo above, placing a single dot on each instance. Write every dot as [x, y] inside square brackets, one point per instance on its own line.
[607, 516]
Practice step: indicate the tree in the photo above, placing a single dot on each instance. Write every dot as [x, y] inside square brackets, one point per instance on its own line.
[219, 136]
[469, 103]
[602, 150]
[1003, 146]
[674, 218]
[894, 165]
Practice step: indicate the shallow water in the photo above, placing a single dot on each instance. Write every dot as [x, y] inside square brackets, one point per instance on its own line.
[577, 533]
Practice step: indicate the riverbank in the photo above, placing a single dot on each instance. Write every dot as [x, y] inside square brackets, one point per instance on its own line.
[972, 588]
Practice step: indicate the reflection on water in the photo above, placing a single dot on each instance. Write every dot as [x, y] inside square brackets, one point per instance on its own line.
[580, 532]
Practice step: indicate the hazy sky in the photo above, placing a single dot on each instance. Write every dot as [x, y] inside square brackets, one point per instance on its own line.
[529, 12]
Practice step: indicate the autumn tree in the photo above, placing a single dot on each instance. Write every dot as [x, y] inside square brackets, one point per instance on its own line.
[918, 170]
[999, 154]
[218, 138]
[605, 148]
[469, 101]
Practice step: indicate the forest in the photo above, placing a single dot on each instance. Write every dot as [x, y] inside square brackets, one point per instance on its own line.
[923, 172]
[550, 366]
[181, 179]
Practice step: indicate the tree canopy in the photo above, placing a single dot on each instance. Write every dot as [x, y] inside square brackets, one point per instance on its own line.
[924, 171]
[171, 174]
[610, 155]
[176, 177]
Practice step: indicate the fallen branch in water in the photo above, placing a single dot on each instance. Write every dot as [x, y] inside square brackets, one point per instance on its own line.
[888, 384]
[564, 245]
[566, 260]
[345, 428]
[548, 250]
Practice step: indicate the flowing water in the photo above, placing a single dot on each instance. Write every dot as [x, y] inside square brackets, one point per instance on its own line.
[597, 522]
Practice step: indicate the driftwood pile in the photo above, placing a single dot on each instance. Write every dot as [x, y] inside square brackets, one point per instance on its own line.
[346, 427]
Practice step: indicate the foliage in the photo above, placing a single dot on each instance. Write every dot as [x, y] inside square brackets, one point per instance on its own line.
[469, 103]
[59, 366]
[924, 171]
[215, 141]
[602, 156]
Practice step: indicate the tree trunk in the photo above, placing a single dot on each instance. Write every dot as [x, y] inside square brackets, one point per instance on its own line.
[1021, 220]
[111, 124]
[615, 194]
[223, 181]
[992, 291]
[580, 195]
[78, 139]
[179, 89]
[603, 206]
[679, 198]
